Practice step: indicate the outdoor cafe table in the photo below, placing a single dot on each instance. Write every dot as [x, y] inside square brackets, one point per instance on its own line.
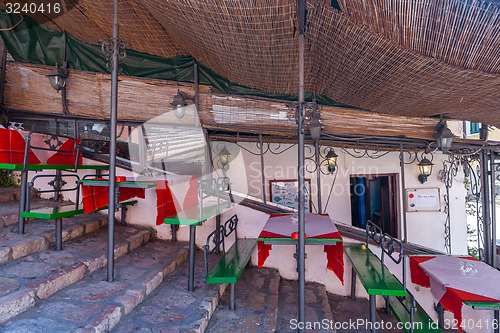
[458, 280]
[319, 230]
[175, 193]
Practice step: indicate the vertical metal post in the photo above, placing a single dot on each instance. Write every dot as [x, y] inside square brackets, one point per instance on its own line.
[493, 210]
[403, 185]
[59, 234]
[112, 148]
[353, 283]
[263, 175]
[3, 63]
[318, 175]
[24, 187]
[192, 238]
[486, 206]
[231, 301]
[373, 312]
[196, 92]
[300, 131]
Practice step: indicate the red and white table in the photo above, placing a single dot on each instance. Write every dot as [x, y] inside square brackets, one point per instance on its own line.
[455, 281]
[319, 230]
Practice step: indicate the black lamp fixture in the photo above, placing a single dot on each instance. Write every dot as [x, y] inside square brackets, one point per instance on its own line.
[58, 77]
[315, 126]
[425, 169]
[331, 160]
[179, 103]
[224, 157]
[444, 136]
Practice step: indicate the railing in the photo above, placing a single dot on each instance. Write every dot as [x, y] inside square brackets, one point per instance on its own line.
[218, 237]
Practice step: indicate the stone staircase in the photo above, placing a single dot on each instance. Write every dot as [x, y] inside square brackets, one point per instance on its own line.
[43, 290]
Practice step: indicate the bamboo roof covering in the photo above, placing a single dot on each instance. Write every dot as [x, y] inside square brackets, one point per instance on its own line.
[406, 58]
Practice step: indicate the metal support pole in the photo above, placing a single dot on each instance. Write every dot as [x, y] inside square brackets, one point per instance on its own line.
[24, 187]
[318, 176]
[231, 300]
[493, 210]
[373, 312]
[57, 184]
[3, 63]
[192, 238]
[59, 234]
[403, 185]
[112, 148]
[123, 215]
[485, 199]
[496, 316]
[263, 175]
[353, 284]
[440, 311]
[300, 130]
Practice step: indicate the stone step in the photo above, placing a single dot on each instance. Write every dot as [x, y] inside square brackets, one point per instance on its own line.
[256, 304]
[8, 194]
[25, 281]
[9, 211]
[317, 307]
[40, 234]
[172, 308]
[95, 305]
[346, 311]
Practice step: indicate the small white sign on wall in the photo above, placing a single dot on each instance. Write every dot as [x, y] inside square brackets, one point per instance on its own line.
[423, 200]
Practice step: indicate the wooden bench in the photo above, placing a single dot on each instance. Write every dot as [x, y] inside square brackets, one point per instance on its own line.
[232, 263]
[57, 213]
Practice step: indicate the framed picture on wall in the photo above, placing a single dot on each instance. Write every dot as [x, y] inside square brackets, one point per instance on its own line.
[423, 200]
[285, 192]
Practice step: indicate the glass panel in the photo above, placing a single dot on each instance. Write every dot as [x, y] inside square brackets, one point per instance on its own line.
[474, 128]
[48, 126]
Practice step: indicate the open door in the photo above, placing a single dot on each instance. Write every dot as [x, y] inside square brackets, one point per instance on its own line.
[374, 198]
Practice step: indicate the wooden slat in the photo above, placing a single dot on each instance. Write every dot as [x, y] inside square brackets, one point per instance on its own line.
[372, 273]
[231, 265]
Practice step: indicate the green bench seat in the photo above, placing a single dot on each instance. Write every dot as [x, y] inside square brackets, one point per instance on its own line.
[373, 274]
[191, 216]
[422, 322]
[58, 213]
[9, 166]
[231, 265]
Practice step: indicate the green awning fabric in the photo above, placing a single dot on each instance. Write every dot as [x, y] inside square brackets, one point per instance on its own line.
[35, 43]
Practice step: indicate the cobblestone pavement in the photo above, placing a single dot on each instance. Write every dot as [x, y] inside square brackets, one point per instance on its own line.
[256, 304]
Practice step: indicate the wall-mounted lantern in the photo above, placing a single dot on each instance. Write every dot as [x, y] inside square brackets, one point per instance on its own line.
[425, 169]
[444, 136]
[331, 160]
[224, 158]
[179, 103]
[58, 77]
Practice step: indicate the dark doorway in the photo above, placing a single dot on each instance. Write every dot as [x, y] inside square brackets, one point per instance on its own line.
[374, 198]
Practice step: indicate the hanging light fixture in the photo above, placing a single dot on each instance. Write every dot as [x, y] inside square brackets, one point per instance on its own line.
[444, 136]
[224, 157]
[331, 160]
[179, 103]
[425, 169]
[58, 77]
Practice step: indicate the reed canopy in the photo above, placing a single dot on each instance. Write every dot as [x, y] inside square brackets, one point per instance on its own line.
[407, 58]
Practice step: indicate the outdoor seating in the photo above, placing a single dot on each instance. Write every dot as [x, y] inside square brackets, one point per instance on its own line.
[378, 280]
[233, 261]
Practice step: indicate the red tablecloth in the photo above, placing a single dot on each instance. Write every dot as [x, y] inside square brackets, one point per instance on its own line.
[96, 197]
[452, 298]
[317, 226]
[12, 146]
[174, 194]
